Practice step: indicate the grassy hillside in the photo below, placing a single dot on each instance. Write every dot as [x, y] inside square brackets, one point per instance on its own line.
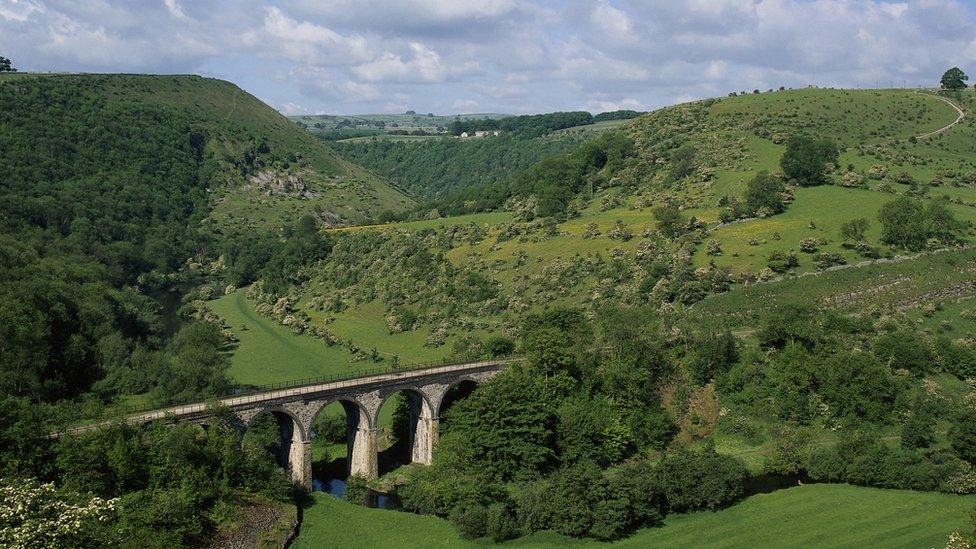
[245, 138]
[610, 250]
[820, 515]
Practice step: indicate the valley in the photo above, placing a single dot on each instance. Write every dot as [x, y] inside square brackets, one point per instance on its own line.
[768, 284]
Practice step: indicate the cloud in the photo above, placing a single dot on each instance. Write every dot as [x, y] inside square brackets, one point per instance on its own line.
[502, 55]
[422, 64]
[605, 106]
[307, 42]
[18, 10]
[464, 106]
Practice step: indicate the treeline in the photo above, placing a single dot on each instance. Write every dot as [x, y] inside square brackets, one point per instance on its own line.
[154, 486]
[535, 125]
[439, 167]
[100, 205]
[552, 182]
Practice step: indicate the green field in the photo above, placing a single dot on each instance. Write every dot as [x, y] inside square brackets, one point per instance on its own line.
[268, 352]
[820, 515]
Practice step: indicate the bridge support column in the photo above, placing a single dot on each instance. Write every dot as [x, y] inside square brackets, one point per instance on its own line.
[363, 459]
[425, 437]
[300, 462]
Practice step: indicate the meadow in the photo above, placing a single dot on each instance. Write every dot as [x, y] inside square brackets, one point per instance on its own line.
[268, 352]
[820, 515]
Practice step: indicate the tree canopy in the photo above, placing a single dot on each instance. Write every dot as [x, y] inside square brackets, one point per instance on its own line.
[954, 79]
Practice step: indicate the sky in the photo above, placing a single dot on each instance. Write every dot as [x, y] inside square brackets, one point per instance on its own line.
[503, 56]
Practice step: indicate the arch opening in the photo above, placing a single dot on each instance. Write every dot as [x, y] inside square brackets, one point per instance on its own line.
[281, 435]
[406, 428]
[457, 392]
[342, 443]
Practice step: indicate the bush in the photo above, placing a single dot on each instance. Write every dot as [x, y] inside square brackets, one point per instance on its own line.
[806, 159]
[693, 481]
[471, 521]
[357, 490]
[501, 524]
[863, 459]
[781, 262]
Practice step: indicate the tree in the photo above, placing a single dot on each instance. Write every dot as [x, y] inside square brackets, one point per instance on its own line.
[903, 224]
[37, 515]
[907, 223]
[806, 158]
[954, 79]
[764, 192]
[5, 65]
[962, 434]
[854, 229]
[669, 220]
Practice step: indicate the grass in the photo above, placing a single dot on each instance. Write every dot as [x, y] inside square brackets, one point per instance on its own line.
[898, 284]
[737, 139]
[268, 352]
[826, 206]
[819, 515]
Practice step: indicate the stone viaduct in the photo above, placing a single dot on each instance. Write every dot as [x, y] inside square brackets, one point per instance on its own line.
[296, 408]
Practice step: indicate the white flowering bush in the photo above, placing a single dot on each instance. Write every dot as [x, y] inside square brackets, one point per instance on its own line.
[35, 515]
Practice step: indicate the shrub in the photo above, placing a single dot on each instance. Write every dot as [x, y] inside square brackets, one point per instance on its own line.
[781, 262]
[713, 248]
[357, 491]
[825, 260]
[809, 245]
[694, 481]
[501, 525]
[807, 159]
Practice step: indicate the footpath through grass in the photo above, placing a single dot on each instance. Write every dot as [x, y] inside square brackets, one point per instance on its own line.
[818, 515]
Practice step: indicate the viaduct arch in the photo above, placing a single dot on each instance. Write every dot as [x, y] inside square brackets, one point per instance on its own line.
[361, 398]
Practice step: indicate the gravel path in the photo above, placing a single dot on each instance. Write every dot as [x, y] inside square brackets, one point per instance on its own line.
[958, 119]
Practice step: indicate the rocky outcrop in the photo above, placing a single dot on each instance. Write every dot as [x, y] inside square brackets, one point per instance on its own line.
[276, 183]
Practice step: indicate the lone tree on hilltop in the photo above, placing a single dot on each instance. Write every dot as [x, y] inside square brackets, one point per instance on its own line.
[5, 65]
[954, 79]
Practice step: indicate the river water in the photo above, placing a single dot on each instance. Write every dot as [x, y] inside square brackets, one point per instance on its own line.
[335, 486]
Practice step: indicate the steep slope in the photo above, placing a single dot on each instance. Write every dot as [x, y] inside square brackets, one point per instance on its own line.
[437, 167]
[263, 170]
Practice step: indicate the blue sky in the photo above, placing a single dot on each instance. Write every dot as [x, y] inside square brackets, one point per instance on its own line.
[514, 56]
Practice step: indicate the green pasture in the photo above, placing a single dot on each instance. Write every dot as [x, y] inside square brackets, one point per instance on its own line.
[268, 352]
[885, 284]
[818, 515]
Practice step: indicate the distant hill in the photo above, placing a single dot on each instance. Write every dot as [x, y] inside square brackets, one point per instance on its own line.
[355, 125]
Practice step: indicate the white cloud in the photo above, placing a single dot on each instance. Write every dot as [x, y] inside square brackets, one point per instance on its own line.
[306, 42]
[461, 106]
[19, 10]
[611, 21]
[505, 55]
[604, 106]
[423, 65]
[175, 9]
